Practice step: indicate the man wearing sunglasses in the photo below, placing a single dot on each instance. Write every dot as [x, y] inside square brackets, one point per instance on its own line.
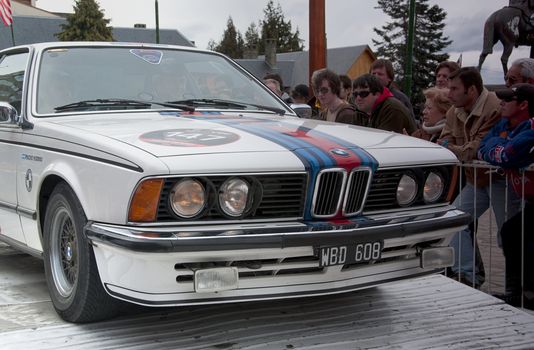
[510, 145]
[381, 109]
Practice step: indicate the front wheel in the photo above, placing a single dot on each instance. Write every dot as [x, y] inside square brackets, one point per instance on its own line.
[70, 267]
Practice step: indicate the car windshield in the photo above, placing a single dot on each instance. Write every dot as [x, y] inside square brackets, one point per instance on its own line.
[79, 79]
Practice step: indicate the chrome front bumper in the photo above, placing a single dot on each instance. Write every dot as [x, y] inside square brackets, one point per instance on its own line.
[156, 266]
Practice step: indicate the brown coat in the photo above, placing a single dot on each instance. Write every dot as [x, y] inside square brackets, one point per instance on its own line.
[389, 115]
[346, 114]
[463, 132]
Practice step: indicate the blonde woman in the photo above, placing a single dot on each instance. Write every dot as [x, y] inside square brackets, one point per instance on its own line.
[436, 106]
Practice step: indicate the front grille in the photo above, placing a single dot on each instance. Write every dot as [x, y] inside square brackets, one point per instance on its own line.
[332, 187]
[328, 194]
[357, 187]
[279, 196]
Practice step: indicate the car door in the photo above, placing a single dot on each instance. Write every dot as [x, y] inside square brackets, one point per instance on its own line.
[12, 71]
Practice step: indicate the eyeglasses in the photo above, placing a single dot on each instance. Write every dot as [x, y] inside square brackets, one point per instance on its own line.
[509, 99]
[324, 90]
[362, 94]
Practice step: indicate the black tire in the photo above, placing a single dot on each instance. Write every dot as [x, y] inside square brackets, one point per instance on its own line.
[70, 267]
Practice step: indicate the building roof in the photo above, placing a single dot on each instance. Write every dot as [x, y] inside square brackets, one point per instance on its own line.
[293, 66]
[33, 25]
[19, 9]
[29, 30]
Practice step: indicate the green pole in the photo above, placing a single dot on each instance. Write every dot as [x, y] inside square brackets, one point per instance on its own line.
[11, 28]
[157, 23]
[409, 51]
[12, 35]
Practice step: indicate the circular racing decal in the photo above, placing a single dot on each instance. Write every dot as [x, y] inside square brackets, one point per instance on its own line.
[189, 137]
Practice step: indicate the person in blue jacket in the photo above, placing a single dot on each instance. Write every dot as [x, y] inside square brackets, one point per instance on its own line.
[510, 145]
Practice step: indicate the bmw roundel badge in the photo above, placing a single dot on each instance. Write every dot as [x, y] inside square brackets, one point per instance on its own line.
[339, 152]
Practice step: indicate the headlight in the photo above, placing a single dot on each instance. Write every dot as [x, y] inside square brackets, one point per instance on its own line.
[233, 197]
[188, 198]
[407, 190]
[433, 187]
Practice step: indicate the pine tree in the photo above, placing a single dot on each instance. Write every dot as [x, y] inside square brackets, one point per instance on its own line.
[274, 26]
[232, 42]
[429, 41]
[252, 36]
[87, 23]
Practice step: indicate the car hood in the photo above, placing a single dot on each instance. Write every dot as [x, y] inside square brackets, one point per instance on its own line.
[173, 134]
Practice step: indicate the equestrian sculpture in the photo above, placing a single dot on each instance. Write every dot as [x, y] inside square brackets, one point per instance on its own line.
[512, 25]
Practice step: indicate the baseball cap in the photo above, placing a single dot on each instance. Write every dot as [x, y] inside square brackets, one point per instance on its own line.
[520, 92]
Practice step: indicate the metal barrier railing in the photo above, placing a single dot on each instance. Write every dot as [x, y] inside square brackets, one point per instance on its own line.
[501, 202]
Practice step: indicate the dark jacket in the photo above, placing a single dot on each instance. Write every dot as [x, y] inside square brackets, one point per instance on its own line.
[388, 114]
[399, 95]
[511, 150]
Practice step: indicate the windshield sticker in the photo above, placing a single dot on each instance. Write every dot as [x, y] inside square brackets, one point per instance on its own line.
[189, 137]
[150, 56]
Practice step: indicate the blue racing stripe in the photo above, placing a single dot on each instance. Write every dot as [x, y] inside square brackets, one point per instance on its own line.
[365, 157]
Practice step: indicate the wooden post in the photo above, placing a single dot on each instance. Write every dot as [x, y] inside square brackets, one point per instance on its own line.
[317, 52]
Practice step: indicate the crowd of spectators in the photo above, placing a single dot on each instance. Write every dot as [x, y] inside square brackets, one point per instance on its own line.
[461, 115]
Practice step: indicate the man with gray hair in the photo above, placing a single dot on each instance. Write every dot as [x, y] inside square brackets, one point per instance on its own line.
[521, 71]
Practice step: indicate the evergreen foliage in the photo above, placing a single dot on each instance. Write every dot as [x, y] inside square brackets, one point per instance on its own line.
[273, 26]
[87, 23]
[252, 37]
[232, 42]
[429, 42]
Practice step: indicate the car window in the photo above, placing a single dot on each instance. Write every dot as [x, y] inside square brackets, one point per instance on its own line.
[71, 75]
[12, 69]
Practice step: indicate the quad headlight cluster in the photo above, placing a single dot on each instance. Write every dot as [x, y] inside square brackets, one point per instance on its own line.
[189, 198]
[408, 189]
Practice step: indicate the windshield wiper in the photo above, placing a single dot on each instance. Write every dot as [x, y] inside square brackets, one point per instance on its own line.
[119, 102]
[201, 102]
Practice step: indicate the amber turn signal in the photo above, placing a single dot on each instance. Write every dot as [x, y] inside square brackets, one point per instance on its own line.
[453, 183]
[144, 205]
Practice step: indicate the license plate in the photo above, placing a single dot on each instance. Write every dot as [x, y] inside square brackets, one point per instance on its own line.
[349, 254]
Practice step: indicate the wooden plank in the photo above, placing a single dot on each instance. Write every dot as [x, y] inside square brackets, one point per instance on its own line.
[433, 312]
[430, 312]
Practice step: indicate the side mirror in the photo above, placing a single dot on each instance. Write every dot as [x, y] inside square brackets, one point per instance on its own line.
[303, 110]
[8, 114]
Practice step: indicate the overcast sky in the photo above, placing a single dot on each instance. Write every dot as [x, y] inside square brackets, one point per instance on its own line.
[348, 22]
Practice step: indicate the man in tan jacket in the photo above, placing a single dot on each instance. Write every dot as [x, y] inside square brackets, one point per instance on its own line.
[474, 112]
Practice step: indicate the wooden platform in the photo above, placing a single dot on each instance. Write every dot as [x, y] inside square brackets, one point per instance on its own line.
[426, 313]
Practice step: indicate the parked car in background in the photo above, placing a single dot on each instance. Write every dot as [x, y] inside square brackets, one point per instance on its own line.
[168, 176]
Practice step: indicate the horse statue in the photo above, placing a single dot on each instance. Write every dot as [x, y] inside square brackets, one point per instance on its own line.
[512, 25]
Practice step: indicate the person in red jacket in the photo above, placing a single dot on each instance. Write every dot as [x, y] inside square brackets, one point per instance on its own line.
[381, 110]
